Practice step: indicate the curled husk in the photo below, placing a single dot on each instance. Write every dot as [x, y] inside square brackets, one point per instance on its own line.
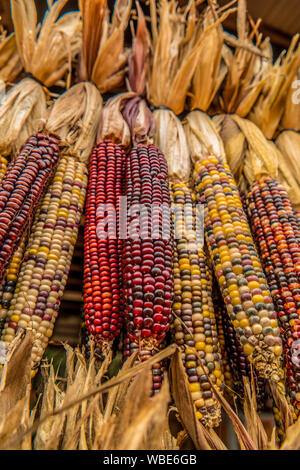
[74, 118]
[10, 64]
[270, 105]
[202, 137]
[112, 124]
[257, 157]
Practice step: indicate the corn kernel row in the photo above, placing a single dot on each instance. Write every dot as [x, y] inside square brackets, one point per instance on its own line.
[21, 189]
[11, 277]
[238, 269]
[47, 260]
[194, 307]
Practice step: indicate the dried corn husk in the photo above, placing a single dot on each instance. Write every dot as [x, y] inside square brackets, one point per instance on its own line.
[46, 54]
[270, 105]
[288, 143]
[10, 64]
[256, 156]
[136, 112]
[74, 118]
[202, 137]
[170, 138]
[291, 116]
[211, 69]
[248, 68]
[104, 55]
[175, 52]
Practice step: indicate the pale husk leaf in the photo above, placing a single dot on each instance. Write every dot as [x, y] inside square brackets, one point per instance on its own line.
[261, 155]
[112, 124]
[270, 104]
[10, 64]
[104, 54]
[175, 52]
[210, 70]
[46, 54]
[74, 117]
[291, 116]
[202, 137]
[171, 140]
[249, 68]
[21, 110]
[288, 144]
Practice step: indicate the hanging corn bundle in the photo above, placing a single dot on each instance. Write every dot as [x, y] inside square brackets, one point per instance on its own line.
[277, 236]
[73, 119]
[147, 277]
[236, 264]
[194, 326]
[102, 243]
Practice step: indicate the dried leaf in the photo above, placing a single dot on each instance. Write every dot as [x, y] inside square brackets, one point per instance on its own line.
[74, 117]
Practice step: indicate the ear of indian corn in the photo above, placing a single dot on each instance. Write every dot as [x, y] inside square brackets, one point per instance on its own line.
[194, 325]
[102, 244]
[44, 270]
[147, 257]
[237, 267]
[277, 236]
[21, 190]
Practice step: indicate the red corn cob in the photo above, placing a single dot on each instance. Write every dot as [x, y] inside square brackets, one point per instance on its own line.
[147, 260]
[21, 190]
[102, 305]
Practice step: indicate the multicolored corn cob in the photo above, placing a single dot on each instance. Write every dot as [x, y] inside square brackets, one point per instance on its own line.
[193, 308]
[226, 369]
[147, 258]
[3, 167]
[239, 363]
[21, 190]
[47, 260]
[277, 237]
[11, 278]
[237, 268]
[102, 244]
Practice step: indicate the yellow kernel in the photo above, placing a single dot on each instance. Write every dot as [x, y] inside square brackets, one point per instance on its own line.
[195, 387]
[248, 349]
